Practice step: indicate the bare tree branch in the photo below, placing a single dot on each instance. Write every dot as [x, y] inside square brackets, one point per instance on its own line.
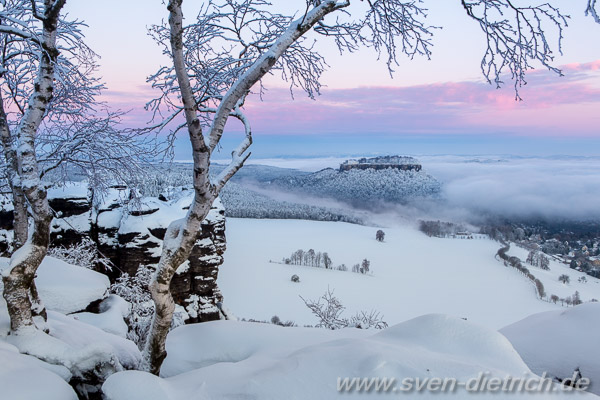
[591, 10]
[50, 121]
[516, 36]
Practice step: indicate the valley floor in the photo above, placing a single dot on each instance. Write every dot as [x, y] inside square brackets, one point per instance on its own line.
[412, 274]
[424, 287]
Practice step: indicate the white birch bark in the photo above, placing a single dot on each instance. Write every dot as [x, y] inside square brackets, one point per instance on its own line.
[182, 234]
[18, 278]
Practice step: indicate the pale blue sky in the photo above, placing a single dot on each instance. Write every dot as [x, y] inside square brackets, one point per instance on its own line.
[117, 31]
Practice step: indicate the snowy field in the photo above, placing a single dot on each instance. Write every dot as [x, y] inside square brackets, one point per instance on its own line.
[588, 289]
[412, 274]
[424, 286]
[266, 362]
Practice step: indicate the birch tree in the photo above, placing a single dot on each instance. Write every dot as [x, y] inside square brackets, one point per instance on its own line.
[217, 61]
[32, 32]
[50, 121]
[224, 54]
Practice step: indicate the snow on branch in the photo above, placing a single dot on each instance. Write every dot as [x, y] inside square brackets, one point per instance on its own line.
[232, 45]
[328, 309]
[591, 10]
[96, 146]
[22, 43]
[516, 36]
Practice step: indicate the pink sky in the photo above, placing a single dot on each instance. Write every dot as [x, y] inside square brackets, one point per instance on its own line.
[552, 106]
[442, 95]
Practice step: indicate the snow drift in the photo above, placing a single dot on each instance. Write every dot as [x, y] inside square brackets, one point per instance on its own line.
[558, 342]
[259, 361]
[73, 351]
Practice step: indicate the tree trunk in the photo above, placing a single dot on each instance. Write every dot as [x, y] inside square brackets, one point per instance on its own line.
[18, 282]
[18, 279]
[181, 235]
[177, 247]
[20, 218]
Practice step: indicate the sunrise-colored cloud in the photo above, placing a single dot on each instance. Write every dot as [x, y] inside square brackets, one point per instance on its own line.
[552, 105]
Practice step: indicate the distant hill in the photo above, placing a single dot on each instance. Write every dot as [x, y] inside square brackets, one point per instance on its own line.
[363, 186]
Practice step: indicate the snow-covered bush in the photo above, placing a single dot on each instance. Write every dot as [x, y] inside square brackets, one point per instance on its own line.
[576, 298]
[365, 266]
[275, 320]
[134, 290]
[342, 267]
[564, 278]
[314, 259]
[328, 309]
[538, 259]
[539, 286]
[84, 254]
[295, 278]
[367, 320]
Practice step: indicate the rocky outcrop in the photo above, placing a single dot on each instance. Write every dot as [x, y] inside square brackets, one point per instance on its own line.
[379, 163]
[6, 225]
[195, 282]
[130, 234]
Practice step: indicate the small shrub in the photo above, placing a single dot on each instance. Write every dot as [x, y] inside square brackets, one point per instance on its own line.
[365, 266]
[328, 309]
[540, 288]
[564, 279]
[576, 299]
[84, 254]
[544, 262]
[295, 278]
[134, 290]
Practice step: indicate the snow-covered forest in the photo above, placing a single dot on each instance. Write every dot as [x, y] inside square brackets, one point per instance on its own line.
[129, 275]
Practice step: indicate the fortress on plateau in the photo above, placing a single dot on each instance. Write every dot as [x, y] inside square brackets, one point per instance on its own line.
[379, 163]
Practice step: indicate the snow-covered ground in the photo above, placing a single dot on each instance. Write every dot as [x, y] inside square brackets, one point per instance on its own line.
[558, 342]
[241, 360]
[425, 287]
[412, 274]
[62, 287]
[588, 289]
[78, 344]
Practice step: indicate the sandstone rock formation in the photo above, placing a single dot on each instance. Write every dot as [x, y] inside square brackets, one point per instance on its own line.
[130, 234]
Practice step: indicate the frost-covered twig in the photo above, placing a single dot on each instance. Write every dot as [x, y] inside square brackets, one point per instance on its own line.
[516, 36]
[591, 10]
[328, 309]
[84, 254]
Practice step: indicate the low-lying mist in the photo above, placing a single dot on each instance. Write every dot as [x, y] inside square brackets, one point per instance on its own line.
[557, 188]
[477, 188]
